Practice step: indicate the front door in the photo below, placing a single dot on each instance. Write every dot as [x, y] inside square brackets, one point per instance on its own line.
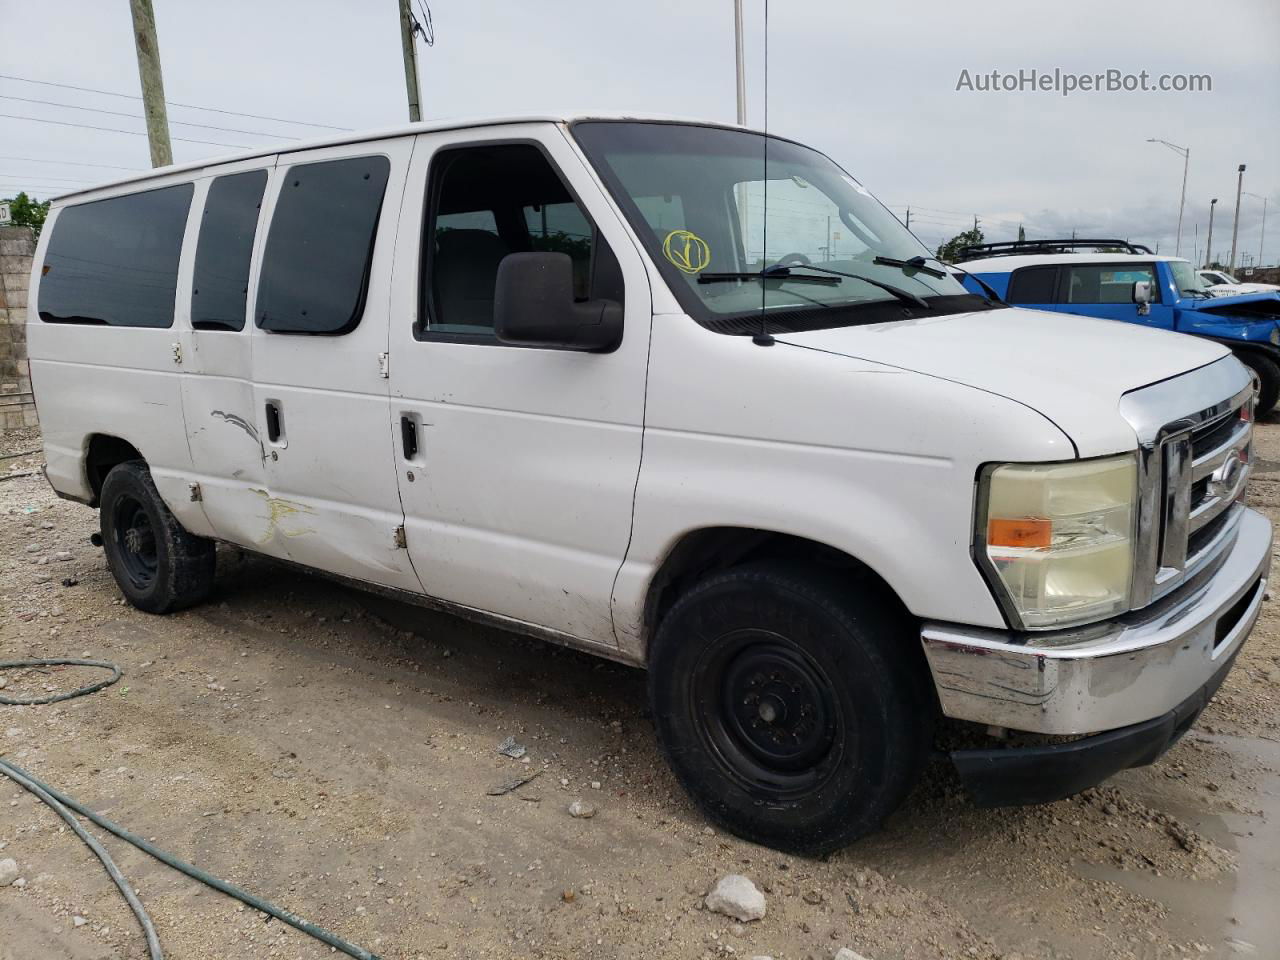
[319, 362]
[517, 465]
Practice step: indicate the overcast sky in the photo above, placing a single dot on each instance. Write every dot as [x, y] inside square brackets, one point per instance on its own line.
[871, 84]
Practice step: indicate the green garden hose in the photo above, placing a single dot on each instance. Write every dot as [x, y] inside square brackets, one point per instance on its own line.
[37, 701]
[63, 805]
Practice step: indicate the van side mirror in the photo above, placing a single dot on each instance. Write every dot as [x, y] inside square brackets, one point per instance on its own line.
[1142, 296]
[533, 305]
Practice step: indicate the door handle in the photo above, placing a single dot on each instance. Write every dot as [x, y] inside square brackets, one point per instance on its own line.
[409, 437]
[273, 421]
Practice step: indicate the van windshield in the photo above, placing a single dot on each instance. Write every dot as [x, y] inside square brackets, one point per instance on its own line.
[705, 205]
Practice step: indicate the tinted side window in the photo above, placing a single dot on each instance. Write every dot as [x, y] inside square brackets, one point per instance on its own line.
[224, 250]
[1033, 285]
[1107, 283]
[315, 271]
[489, 201]
[115, 261]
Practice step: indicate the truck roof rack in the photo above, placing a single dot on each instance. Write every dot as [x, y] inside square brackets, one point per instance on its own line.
[1009, 248]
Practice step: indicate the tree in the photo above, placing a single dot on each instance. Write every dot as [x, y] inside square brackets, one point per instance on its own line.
[26, 212]
[950, 251]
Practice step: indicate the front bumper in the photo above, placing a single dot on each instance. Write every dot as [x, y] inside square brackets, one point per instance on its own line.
[1010, 777]
[1110, 675]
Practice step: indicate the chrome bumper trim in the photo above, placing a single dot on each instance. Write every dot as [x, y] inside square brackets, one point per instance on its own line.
[1111, 674]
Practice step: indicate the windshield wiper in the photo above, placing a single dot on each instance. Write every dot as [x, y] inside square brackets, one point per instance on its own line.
[915, 263]
[898, 292]
[918, 260]
[775, 272]
[781, 272]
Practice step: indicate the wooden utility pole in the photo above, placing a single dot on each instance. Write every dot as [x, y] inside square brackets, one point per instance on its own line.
[144, 39]
[410, 61]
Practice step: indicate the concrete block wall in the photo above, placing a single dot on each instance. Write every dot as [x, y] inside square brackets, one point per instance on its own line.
[17, 406]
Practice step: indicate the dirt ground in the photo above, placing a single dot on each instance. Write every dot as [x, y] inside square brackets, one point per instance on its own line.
[331, 751]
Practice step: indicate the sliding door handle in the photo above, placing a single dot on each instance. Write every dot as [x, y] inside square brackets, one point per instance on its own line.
[273, 421]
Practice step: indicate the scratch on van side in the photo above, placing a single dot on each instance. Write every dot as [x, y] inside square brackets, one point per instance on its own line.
[236, 421]
[280, 512]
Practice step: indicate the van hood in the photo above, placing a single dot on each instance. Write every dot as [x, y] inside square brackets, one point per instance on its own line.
[1071, 369]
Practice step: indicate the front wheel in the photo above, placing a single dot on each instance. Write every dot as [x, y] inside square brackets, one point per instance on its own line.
[158, 565]
[1268, 374]
[789, 705]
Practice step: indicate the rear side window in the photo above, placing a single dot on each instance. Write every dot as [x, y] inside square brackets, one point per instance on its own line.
[224, 250]
[1033, 285]
[315, 271]
[115, 261]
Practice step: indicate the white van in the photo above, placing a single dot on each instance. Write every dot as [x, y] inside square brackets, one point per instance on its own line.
[605, 382]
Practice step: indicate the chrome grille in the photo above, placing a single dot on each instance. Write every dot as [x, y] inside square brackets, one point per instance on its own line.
[1206, 471]
[1195, 452]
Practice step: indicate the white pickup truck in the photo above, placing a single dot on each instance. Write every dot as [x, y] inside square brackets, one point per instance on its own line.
[679, 394]
[1225, 285]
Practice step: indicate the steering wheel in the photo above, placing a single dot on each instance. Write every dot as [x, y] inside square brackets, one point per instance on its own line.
[798, 259]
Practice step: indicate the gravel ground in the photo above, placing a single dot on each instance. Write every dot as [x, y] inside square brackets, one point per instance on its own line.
[331, 752]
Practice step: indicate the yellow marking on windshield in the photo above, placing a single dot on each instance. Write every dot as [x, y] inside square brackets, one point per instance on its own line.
[686, 251]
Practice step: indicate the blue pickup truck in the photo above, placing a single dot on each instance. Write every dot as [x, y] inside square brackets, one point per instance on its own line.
[1126, 281]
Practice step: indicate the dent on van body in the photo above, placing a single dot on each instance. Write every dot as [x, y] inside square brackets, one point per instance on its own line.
[241, 422]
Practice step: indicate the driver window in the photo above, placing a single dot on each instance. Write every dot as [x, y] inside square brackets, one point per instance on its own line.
[490, 201]
[1108, 283]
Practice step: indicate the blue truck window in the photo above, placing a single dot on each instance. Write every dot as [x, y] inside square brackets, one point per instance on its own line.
[1033, 285]
[1106, 283]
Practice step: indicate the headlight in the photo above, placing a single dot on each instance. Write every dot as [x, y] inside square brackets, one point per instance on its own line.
[1057, 539]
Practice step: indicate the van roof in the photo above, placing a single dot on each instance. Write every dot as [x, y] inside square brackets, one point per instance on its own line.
[408, 129]
[1009, 264]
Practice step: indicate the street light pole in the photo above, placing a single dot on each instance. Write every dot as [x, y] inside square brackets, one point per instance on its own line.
[738, 60]
[1262, 240]
[1186, 164]
[1235, 227]
[1208, 249]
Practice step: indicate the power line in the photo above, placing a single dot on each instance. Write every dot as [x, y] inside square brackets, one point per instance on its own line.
[135, 116]
[69, 163]
[132, 133]
[14, 177]
[174, 103]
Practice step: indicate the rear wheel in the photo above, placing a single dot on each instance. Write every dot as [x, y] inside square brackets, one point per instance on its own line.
[789, 706]
[1268, 373]
[158, 565]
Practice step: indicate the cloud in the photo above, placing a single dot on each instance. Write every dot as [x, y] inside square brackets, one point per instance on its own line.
[872, 85]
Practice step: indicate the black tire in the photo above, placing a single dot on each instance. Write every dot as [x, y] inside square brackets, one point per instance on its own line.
[1268, 372]
[157, 565]
[748, 651]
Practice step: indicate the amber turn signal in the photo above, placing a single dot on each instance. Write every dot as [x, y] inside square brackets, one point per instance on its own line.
[1022, 532]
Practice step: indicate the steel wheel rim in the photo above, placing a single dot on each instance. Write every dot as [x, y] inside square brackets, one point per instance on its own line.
[134, 536]
[769, 713]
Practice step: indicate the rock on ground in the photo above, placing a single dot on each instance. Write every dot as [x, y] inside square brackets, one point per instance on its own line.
[8, 871]
[582, 810]
[844, 953]
[736, 896]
